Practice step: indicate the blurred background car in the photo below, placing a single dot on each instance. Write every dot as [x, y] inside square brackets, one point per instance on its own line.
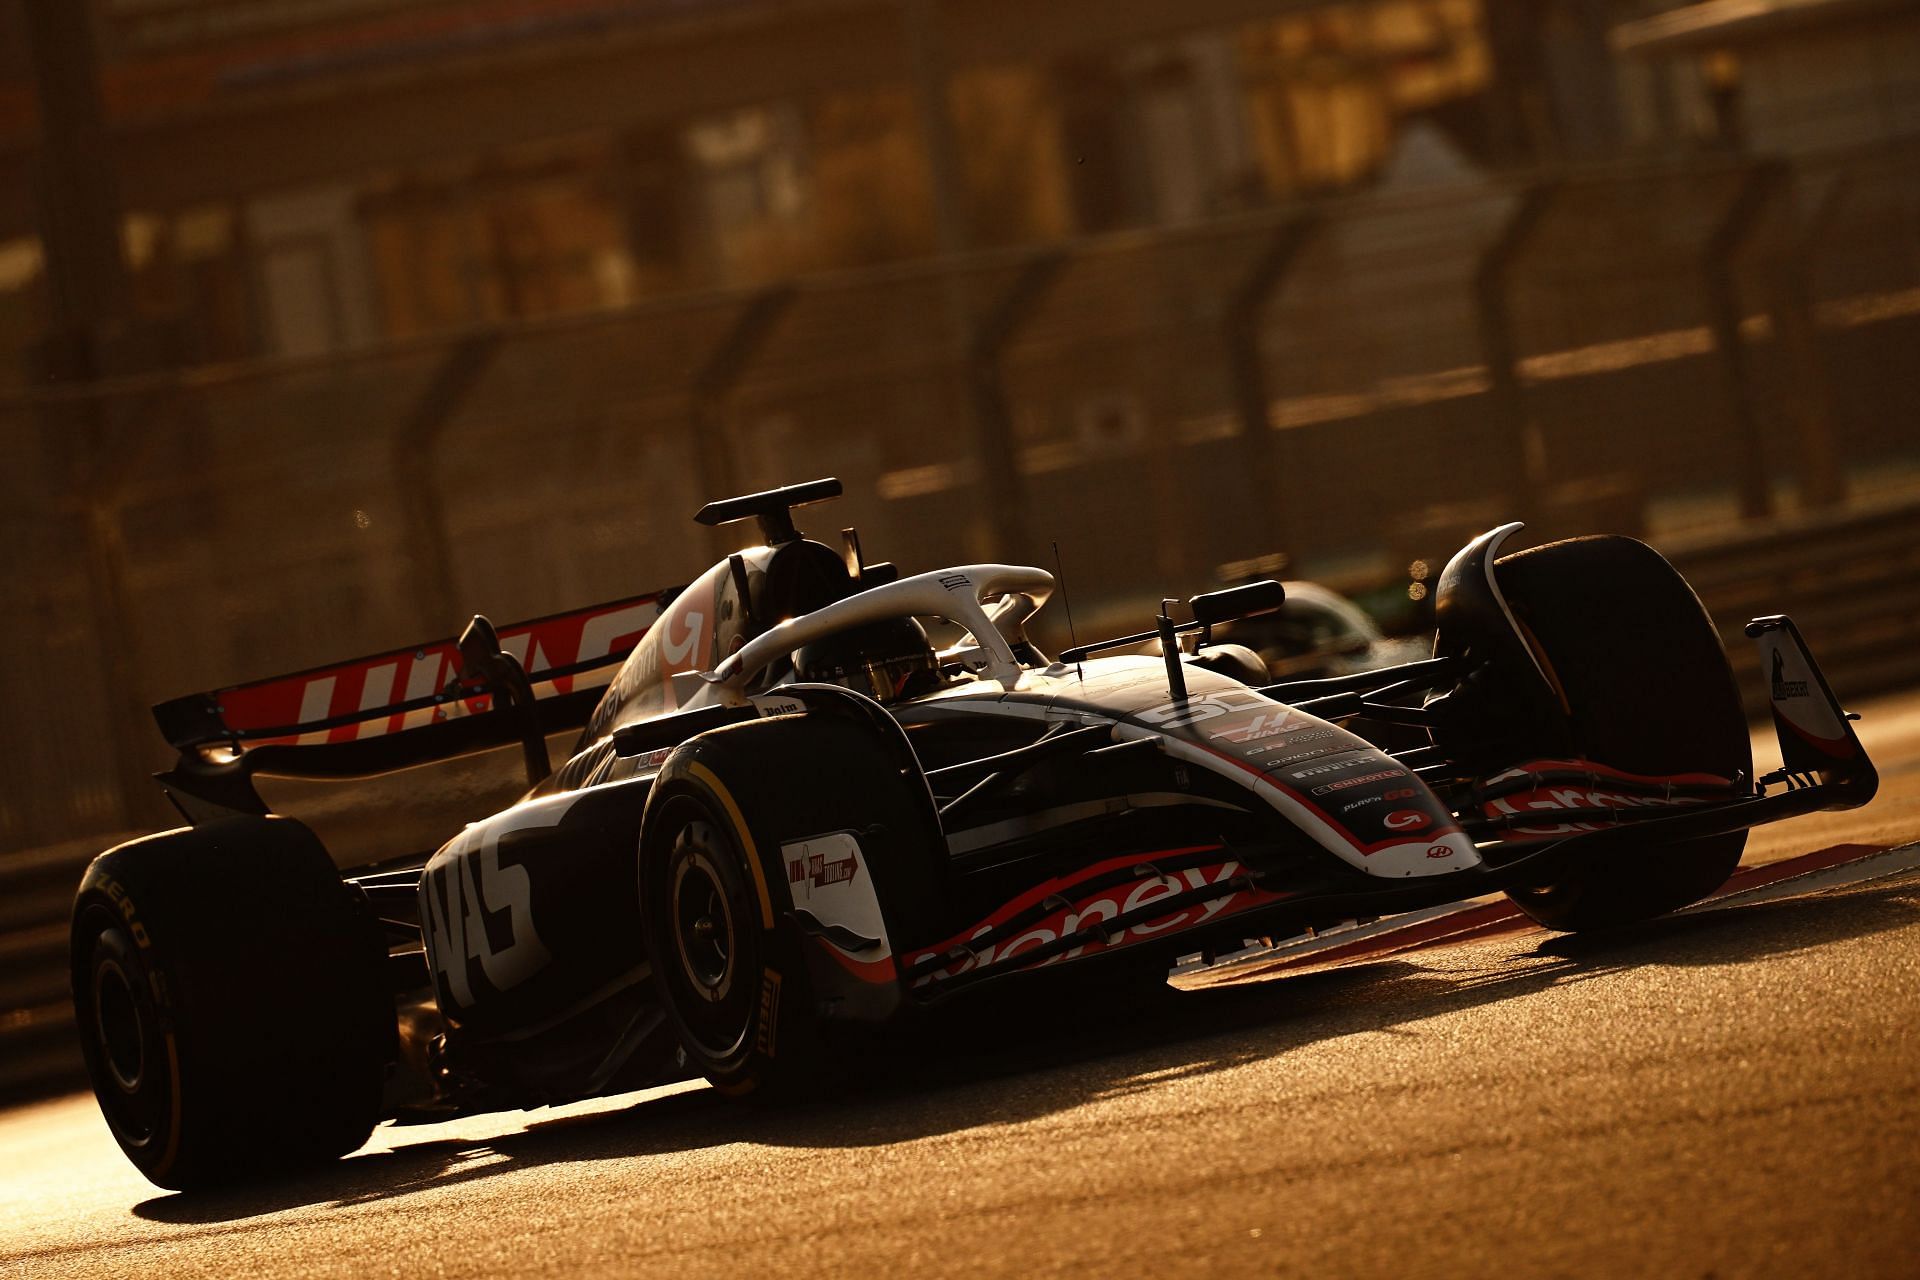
[1318, 633]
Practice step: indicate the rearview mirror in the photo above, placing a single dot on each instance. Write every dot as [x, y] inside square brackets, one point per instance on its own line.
[1237, 602]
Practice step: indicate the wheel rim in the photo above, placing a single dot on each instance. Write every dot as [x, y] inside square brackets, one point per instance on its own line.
[120, 1032]
[703, 933]
[711, 960]
[117, 1026]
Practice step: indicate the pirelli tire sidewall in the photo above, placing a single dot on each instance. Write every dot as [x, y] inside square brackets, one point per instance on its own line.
[753, 787]
[230, 996]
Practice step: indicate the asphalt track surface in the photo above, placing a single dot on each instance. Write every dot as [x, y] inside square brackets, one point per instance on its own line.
[1731, 1091]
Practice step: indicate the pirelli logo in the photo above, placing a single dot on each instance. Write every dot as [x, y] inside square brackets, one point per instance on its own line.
[769, 1012]
[120, 899]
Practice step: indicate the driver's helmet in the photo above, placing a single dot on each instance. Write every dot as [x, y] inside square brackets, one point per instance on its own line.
[885, 660]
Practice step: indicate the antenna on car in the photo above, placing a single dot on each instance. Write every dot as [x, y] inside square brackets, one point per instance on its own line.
[1066, 602]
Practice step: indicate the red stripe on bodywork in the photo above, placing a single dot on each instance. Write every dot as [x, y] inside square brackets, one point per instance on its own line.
[1838, 748]
[1231, 899]
[1058, 885]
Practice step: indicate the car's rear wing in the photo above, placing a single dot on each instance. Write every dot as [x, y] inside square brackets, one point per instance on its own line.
[409, 706]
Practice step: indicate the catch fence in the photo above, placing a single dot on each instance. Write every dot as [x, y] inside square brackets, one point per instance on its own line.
[1358, 383]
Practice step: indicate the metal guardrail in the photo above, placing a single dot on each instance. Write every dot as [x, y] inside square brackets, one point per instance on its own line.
[1851, 580]
[39, 1052]
[1346, 382]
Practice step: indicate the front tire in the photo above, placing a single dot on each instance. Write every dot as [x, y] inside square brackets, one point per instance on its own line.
[729, 963]
[229, 993]
[712, 956]
[1648, 690]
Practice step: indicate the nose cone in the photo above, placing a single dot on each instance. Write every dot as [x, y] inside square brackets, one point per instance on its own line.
[1450, 850]
[1354, 800]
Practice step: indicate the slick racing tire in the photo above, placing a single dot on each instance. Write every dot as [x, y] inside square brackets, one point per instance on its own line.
[1649, 691]
[230, 997]
[729, 960]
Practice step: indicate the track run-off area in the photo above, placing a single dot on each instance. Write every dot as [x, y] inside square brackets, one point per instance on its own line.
[1730, 1091]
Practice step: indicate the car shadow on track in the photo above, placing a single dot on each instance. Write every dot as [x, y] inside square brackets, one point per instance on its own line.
[1013, 1060]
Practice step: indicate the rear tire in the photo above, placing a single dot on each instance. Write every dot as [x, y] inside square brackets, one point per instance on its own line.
[1649, 691]
[229, 991]
[728, 963]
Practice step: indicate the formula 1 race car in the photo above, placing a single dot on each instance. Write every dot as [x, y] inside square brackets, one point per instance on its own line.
[788, 816]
